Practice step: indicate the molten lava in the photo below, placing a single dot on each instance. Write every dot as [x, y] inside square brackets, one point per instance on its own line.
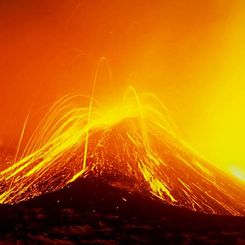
[132, 146]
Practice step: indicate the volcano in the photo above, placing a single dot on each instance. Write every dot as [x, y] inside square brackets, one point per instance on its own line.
[131, 148]
[122, 176]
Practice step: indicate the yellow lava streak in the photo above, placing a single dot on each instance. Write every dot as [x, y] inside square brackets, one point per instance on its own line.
[132, 145]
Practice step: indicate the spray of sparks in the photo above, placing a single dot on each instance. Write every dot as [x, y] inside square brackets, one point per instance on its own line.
[132, 145]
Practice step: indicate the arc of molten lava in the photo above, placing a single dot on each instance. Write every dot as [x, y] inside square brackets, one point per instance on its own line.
[88, 122]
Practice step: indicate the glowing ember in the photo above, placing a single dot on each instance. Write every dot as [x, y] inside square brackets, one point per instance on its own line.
[130, 146]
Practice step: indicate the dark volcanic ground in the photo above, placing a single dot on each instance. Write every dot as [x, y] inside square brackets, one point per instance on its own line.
[91, 212]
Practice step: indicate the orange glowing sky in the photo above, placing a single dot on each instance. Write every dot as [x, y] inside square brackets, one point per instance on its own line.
[189, 53]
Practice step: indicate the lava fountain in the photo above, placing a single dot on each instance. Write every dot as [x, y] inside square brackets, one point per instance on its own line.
[131, 146]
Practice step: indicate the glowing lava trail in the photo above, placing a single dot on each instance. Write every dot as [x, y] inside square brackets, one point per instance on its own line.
[130, 146]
